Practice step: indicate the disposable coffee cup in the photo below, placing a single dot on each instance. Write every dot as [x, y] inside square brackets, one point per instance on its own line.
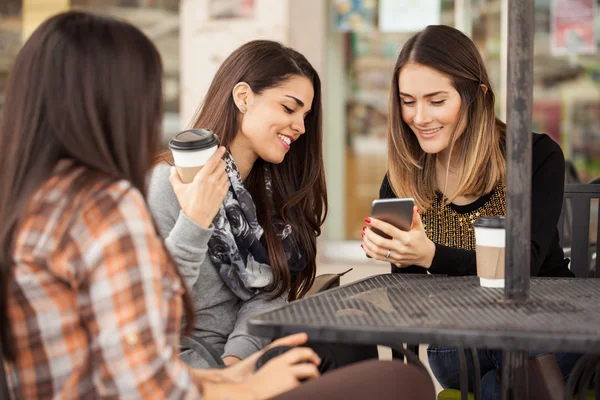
[490, 242]
[191, 150]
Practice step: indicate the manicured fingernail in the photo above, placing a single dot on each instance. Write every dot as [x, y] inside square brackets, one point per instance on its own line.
[364, 227]
[363, 234]
[362, 246]
[368, 220]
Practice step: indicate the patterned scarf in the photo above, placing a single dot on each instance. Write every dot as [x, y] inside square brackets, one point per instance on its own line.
[235, 247]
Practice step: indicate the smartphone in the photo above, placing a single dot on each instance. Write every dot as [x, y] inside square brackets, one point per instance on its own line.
[397, 212]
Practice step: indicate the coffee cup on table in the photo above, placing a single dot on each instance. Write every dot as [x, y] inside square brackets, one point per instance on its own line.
[191, 150]
[490, 242]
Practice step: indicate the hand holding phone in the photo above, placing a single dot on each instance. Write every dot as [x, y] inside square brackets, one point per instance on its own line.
[396, 212]
[410, 244]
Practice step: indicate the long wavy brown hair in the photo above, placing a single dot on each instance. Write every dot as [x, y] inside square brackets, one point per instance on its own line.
[299, 191]
[481, 148]
[84, 88]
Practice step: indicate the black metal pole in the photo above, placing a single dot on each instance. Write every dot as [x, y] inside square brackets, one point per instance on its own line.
[518, 148]
[515, 382]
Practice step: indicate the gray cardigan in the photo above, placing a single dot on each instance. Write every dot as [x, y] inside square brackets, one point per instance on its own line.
[220, 315]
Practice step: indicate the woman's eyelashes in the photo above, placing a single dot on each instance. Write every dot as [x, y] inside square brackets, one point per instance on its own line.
[412, 103]
[291, 111]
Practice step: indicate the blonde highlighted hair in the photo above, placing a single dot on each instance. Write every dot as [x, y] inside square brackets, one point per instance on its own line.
[481, 148]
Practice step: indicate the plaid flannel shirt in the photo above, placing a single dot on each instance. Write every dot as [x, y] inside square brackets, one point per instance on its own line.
[95, 307]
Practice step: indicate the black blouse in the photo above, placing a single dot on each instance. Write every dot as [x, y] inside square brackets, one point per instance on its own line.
[450, 226]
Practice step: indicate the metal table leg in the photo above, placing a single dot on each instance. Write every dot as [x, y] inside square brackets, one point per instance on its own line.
[413, 348]
[411, 355]
[584, 382]
[476, 374]
[463, 374]
[582, 372]
[515, 382]
[597, 387]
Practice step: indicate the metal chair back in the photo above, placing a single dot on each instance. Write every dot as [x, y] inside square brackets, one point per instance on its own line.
[579, 228]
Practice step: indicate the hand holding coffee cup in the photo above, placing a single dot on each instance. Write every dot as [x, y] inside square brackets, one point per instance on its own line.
[191, 150]
[490, 239]
[201, 198]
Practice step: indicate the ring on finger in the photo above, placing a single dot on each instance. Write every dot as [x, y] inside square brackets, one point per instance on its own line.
[387, 255]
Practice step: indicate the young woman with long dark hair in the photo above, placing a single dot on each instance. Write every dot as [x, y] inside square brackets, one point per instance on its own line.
[259, 247]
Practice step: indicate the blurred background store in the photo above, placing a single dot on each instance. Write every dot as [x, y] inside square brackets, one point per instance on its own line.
[354, 44]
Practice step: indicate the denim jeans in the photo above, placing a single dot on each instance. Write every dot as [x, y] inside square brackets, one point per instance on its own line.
[445, 366]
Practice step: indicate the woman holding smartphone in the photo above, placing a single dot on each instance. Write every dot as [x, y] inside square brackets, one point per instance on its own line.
[446, 150]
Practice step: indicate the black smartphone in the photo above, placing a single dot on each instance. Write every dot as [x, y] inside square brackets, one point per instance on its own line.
[397, 212]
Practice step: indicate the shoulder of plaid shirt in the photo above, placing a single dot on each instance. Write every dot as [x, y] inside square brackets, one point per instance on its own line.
[96, 306]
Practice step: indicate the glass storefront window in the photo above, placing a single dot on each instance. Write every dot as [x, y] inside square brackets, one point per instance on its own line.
[567, 94]
[159, 19]
[10, 39]
[370, 59]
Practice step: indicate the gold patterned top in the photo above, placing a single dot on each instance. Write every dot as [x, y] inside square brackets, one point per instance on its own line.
[452, 225]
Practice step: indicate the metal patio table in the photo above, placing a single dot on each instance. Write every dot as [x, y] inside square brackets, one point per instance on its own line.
[560, 314]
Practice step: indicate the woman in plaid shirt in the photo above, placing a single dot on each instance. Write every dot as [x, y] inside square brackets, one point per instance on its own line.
[90, 301]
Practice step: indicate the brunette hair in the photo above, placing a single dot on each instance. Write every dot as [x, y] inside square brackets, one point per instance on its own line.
[481, 148]
[85, 88]
[299, 191]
